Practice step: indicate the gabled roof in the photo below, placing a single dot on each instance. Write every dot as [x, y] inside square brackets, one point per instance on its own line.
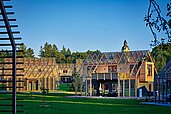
[124, 59]
[117, 57]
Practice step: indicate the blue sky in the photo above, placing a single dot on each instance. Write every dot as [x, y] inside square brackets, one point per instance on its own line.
[83, 25]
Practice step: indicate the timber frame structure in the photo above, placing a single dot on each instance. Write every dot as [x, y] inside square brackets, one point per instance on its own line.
[37, 74]
[45, 73]
[40, 74]
[129, 71]
[162, 85]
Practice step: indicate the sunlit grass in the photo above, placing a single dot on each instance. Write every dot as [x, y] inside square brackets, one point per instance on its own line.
[71, 102]
[57, 103]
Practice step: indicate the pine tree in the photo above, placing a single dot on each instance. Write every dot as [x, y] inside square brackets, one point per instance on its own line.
[24, 48]
[41, 52]
[26, 52]
[47, 50]
[63, 51]
[54, 51]
[30, 52]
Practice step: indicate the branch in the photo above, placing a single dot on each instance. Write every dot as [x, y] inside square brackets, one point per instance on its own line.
[157, 23]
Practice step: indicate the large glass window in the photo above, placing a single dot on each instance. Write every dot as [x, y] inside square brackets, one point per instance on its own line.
[112, 68]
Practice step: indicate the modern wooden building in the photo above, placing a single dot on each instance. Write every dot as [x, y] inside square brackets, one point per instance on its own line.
[39, 73]
[125, 73]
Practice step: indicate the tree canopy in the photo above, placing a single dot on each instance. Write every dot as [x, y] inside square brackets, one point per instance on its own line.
[161, 55]
[64, 55]
[27, 52]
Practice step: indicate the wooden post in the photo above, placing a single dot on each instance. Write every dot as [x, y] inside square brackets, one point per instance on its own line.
[103, 90]
[81, 86]
[123, 85]
[90, 86]
[32, 85]
[38, 84]
[27, 85]
[53, 79]
[136, 87]
[49, 83]
[86, 86]
[118, 85]
[22, 85]
[129, 86]
[110, 75]
[104, 77]
[45, 85]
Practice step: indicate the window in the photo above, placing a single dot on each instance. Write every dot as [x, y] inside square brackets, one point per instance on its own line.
[115, 68]
[65, 71]
[149, 68]
[112, 68]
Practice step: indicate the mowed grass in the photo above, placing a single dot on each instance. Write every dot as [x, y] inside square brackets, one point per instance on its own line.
[57, 103]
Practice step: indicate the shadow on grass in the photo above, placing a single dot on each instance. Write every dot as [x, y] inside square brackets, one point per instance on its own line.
[59, 104]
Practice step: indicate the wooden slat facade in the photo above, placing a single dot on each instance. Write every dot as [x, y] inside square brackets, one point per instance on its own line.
[39, 73]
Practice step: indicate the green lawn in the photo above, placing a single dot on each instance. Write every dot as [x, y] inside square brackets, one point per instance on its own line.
[64, 87]
[58, 104]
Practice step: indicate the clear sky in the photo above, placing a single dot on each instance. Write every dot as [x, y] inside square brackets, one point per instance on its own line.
[83, 25]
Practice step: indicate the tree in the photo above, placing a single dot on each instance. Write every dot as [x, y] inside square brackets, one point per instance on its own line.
[24, 49]
[26, 52]
[69, 58]
[158, 23]
[54, 52]
[93, 52]
[63, 56]
[75, 86]
[160, 62]
[30, 52]
[60, 58]
[3, 53]
[47, 50]
[41, 52]
[63, 51]
[68, 53]
[161, 55]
